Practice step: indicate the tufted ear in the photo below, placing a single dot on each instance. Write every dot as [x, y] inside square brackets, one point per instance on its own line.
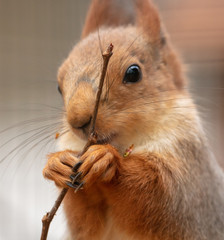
[147, 19]
[123, 12]
[109, 13]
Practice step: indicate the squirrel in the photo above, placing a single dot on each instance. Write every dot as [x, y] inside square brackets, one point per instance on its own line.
[170, 187]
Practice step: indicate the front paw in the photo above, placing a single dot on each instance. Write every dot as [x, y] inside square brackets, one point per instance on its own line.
[59, 167]
[98, 163]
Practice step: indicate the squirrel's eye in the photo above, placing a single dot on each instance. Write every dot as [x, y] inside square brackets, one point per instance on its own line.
[59, 90]
[133, 74]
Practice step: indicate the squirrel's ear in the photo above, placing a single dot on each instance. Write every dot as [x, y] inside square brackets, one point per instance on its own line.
[109, 13]
[123, 12]
[148, 20]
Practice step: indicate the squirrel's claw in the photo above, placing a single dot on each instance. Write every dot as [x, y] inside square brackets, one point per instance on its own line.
[79, 186]
[97, 163]
[59, 167]
[72, 185]
[77, 166]
[75, 185]
[76, 177]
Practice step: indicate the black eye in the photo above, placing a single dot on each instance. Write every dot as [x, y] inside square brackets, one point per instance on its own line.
[133, 74]
[59, 90]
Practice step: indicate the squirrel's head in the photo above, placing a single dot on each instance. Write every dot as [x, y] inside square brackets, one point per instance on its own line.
[143, 76]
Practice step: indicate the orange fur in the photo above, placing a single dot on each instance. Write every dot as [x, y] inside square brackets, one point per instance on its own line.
[170, 187]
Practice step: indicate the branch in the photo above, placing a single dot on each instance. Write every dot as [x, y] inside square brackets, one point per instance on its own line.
[92, 139]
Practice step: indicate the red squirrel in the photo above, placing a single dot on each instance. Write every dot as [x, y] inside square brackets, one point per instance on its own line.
[170, 187]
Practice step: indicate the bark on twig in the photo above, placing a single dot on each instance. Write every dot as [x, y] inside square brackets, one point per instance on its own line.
[46, 220]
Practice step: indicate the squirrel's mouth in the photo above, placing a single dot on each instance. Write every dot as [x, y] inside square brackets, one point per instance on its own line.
[106, 140]
[101, 138]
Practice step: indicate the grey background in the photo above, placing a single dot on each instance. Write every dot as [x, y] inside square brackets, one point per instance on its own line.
[35, 37]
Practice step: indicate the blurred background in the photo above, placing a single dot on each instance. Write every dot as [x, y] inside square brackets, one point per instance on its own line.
[35, 37]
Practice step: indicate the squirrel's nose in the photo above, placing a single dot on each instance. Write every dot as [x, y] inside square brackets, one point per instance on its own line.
[85, 125]
[80, 107]
[80, 123]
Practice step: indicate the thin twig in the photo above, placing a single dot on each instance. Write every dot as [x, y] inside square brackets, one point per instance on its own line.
[46, 220]
[92, 139]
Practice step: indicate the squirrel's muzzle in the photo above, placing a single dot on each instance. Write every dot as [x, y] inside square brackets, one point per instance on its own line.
[80, 107]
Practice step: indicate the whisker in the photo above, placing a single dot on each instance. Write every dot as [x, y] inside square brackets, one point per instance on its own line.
[150, 96]
[27, 152]
[30, 121]
[63, 133]
[98, 34]
[27, 141]
[44, 142]
[153, 102]
[161, 108]
[24, 133]
[49, 136]
[24, 144]
[50, 107]
[131, 44]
